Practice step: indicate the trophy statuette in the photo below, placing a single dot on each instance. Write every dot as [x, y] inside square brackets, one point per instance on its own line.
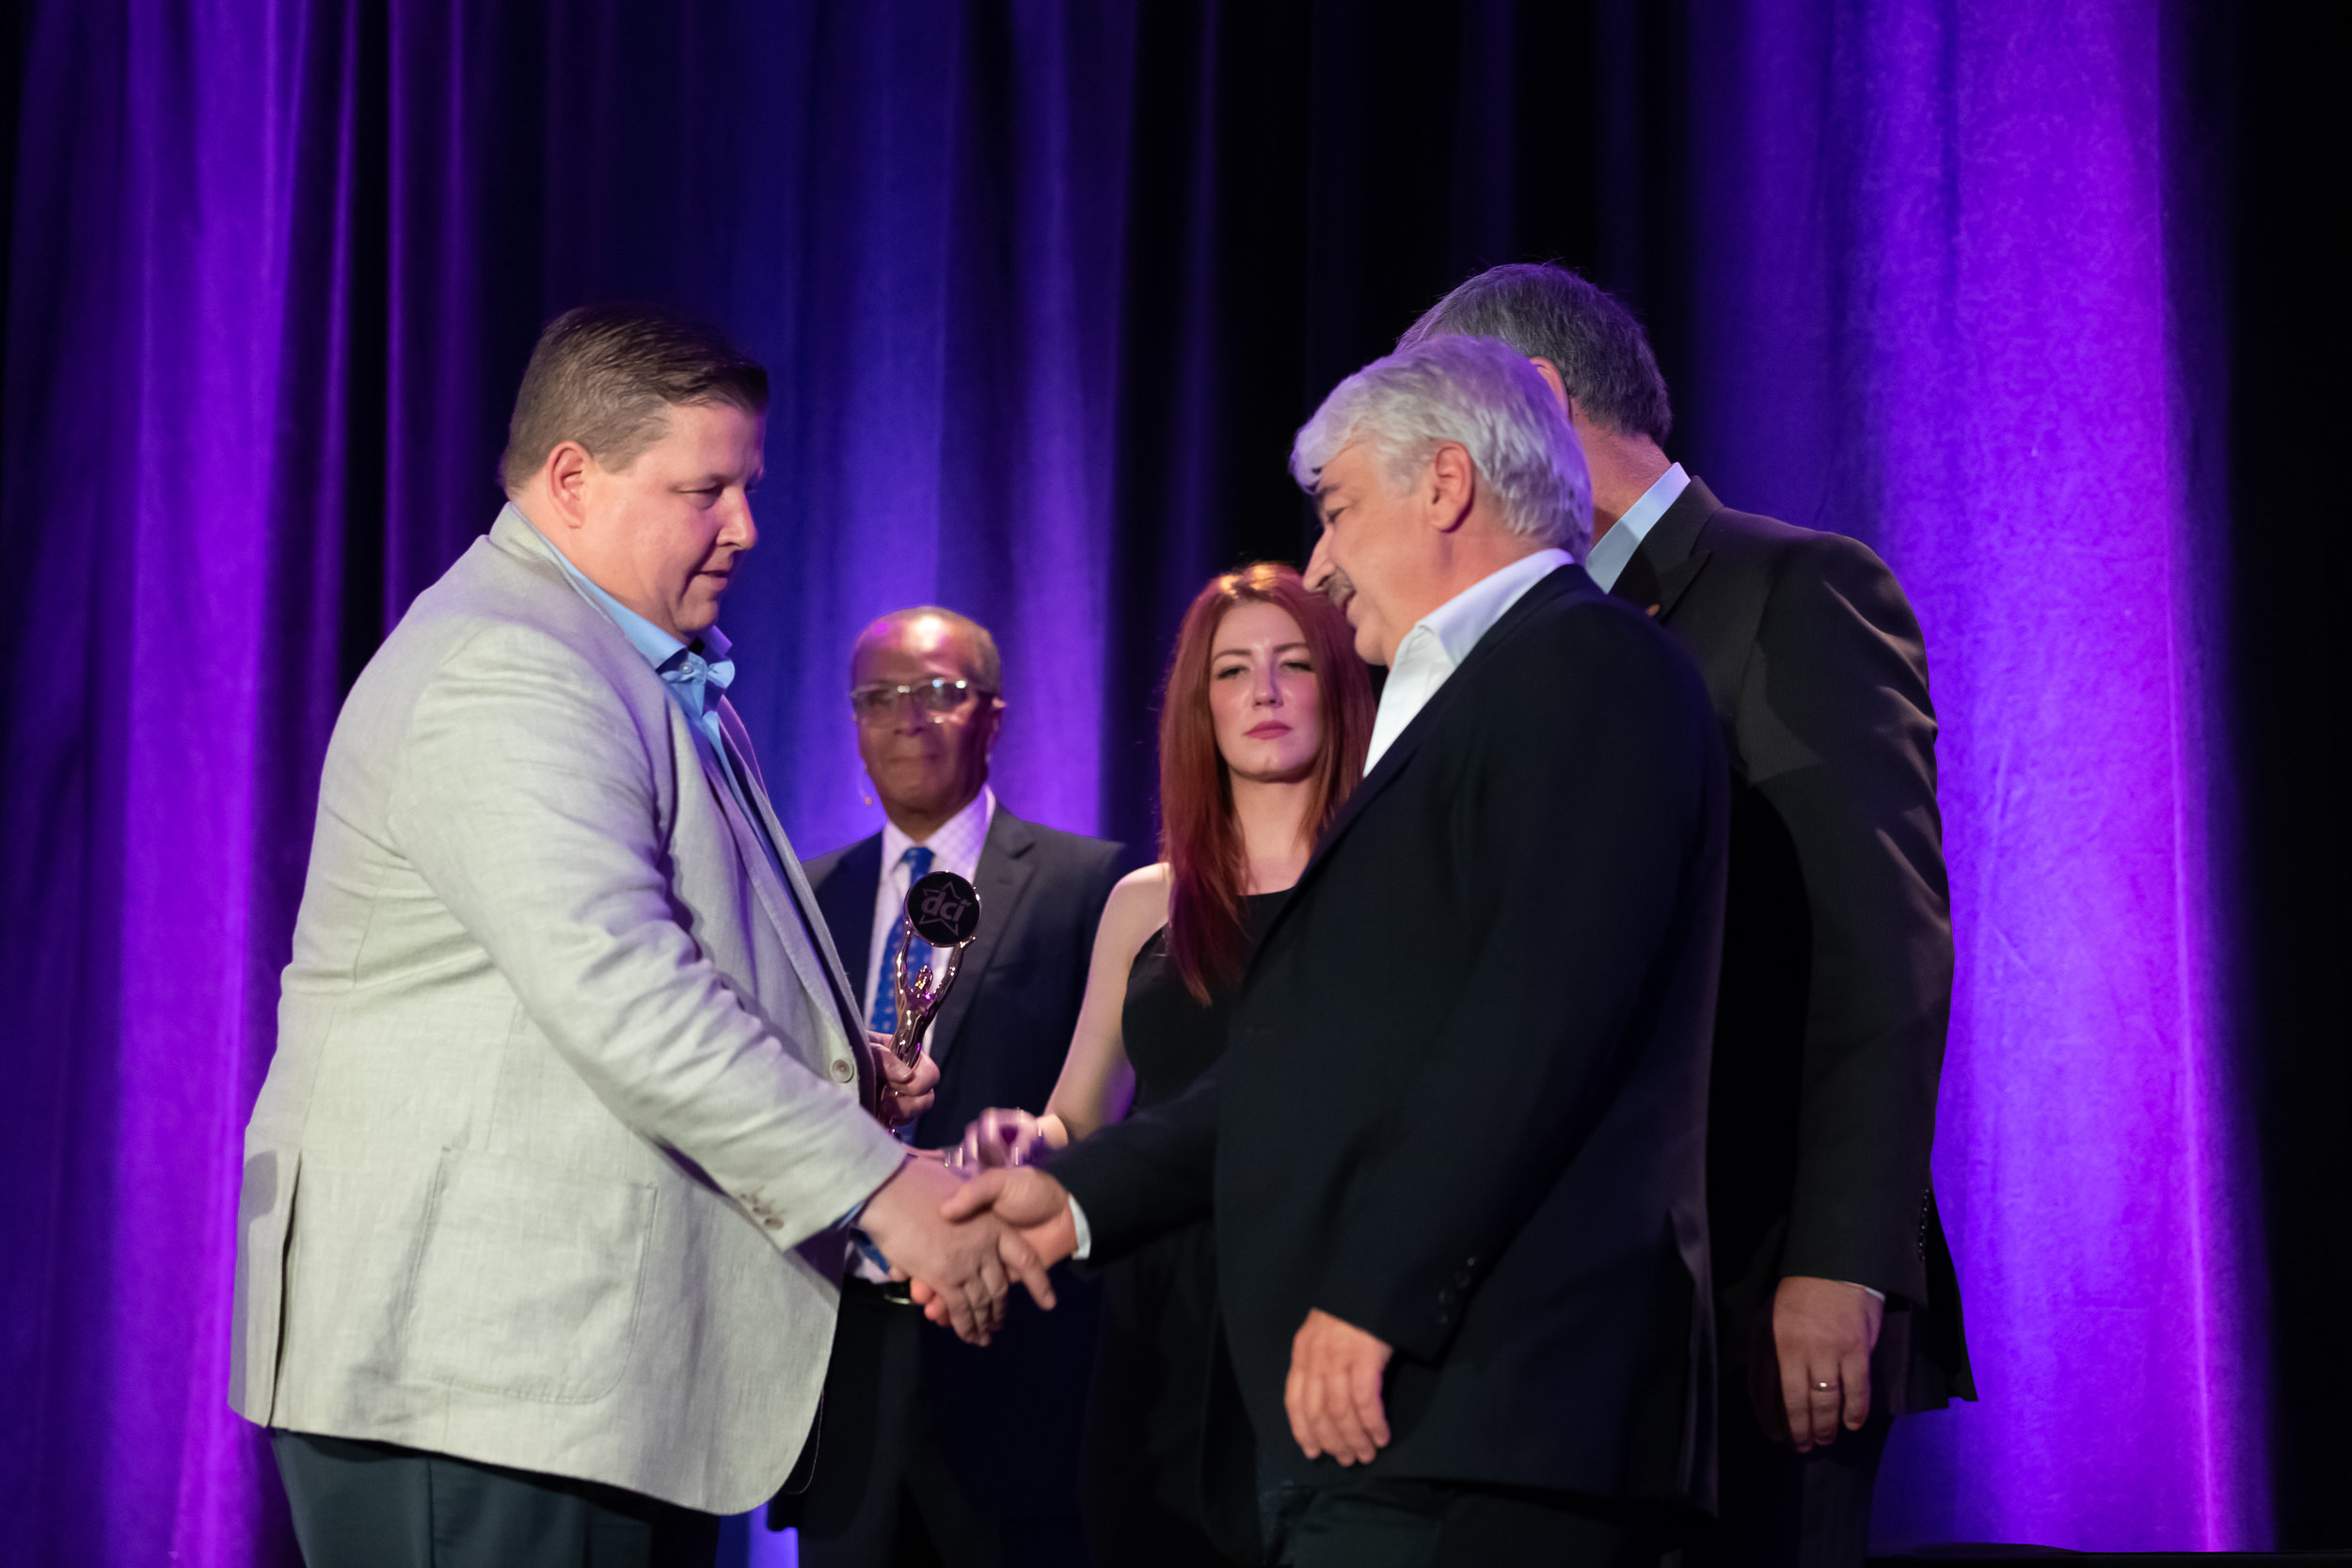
[944, 911]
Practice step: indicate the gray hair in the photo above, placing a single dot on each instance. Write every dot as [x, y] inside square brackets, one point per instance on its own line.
[1546, 311]
[1478, 393]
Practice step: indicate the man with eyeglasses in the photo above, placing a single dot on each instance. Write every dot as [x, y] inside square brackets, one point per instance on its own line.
[897, 1468]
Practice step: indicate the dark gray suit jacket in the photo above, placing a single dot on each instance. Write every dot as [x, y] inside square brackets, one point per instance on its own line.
[1016, 996]
[1837, 945]
[1008, 1415]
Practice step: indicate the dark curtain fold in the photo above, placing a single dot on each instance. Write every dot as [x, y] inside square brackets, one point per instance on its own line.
[2029, 297]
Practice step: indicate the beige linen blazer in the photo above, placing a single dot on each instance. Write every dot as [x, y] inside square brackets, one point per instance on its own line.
[565, 1106]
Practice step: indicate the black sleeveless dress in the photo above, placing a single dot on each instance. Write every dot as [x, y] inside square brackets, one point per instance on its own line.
[1158, 1362]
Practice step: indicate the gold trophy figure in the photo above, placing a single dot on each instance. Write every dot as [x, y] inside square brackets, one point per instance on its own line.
[944, 911]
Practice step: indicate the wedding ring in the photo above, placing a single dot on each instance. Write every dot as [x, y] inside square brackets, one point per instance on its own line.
[1824, 1387]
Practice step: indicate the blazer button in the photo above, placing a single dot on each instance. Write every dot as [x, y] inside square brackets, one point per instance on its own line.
[842, 1069]
[1445, 1298]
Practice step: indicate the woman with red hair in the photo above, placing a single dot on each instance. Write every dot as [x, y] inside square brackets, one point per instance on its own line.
[1263, 730]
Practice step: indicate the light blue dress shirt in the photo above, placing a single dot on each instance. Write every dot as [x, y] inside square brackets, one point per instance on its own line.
[1607, 561]
[697, 676]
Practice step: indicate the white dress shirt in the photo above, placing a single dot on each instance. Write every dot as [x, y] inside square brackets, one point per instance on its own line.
[956, 846]
[1440, 640]
[1608, 558]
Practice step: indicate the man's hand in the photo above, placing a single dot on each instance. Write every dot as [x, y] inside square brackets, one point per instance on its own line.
[1822, 1333]
[908, 1090]
[1333, 1392]
[1033, 1208]
[967, 1267]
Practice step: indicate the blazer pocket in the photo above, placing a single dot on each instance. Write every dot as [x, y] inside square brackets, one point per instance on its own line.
[529, 1280]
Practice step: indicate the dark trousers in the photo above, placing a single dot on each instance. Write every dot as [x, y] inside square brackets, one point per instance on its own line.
[1780, 1509]
[373, 1505]
[883, 1494]
[1406, 1524]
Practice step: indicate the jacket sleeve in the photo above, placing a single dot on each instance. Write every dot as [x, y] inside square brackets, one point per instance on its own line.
[1149, 1174]
[524, 794]
[1838, 735]
[1616, 776]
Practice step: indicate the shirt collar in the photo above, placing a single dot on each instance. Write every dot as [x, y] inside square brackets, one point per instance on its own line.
[699, 670]
[1607, 561]
[956, 845]
[1457, 624]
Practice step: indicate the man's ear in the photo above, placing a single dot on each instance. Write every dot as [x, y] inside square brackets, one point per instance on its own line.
[1553, 378]
[1452, 486]
[567, 478]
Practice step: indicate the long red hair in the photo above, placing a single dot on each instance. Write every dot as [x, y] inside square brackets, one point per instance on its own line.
[1207, 935]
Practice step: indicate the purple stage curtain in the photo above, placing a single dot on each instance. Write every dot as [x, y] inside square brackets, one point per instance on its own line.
[275, 270]
[274, 266]
[1952, 298]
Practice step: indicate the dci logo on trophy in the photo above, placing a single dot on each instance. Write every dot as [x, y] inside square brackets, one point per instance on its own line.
[944, 911]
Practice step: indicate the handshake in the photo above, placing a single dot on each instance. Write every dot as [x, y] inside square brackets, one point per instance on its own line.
[963, 1241]
[961, 1234]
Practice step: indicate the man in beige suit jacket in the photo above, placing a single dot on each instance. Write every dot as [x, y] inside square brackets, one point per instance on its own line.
[542, 1221]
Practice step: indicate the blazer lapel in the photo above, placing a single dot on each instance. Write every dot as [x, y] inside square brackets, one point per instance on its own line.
[1003, 878]
[1402, 750]
[1671, 554]
[790, 905]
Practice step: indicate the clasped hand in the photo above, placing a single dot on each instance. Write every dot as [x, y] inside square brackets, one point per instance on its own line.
[963, 1264]
[1333, 1393]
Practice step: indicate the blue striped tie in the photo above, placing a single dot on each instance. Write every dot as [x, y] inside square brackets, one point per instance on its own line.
[917, 861]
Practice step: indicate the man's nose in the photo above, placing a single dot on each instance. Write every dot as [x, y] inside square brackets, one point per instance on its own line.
[740, 531]
[1319, 564]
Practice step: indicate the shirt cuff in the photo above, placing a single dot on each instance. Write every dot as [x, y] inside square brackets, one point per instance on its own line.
[1086, 1236]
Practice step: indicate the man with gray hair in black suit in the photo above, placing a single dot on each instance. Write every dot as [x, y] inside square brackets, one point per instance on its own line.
[1837, 1307]
[1452, 1154]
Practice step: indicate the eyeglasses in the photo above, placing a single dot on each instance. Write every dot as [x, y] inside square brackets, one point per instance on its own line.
[936, 698]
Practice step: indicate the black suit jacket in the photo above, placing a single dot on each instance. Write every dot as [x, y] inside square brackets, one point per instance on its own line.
[1837, 948]
[1009, 1414]
[1463, 1101]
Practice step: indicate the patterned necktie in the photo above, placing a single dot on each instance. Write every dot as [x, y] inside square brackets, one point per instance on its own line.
[917, 861]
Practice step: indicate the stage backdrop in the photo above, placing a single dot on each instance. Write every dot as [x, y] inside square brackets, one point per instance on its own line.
[1044, 288]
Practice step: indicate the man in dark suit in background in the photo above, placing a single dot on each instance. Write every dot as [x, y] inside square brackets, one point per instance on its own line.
[1454, 1151]
[930, 1451]
[1836, 1302]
